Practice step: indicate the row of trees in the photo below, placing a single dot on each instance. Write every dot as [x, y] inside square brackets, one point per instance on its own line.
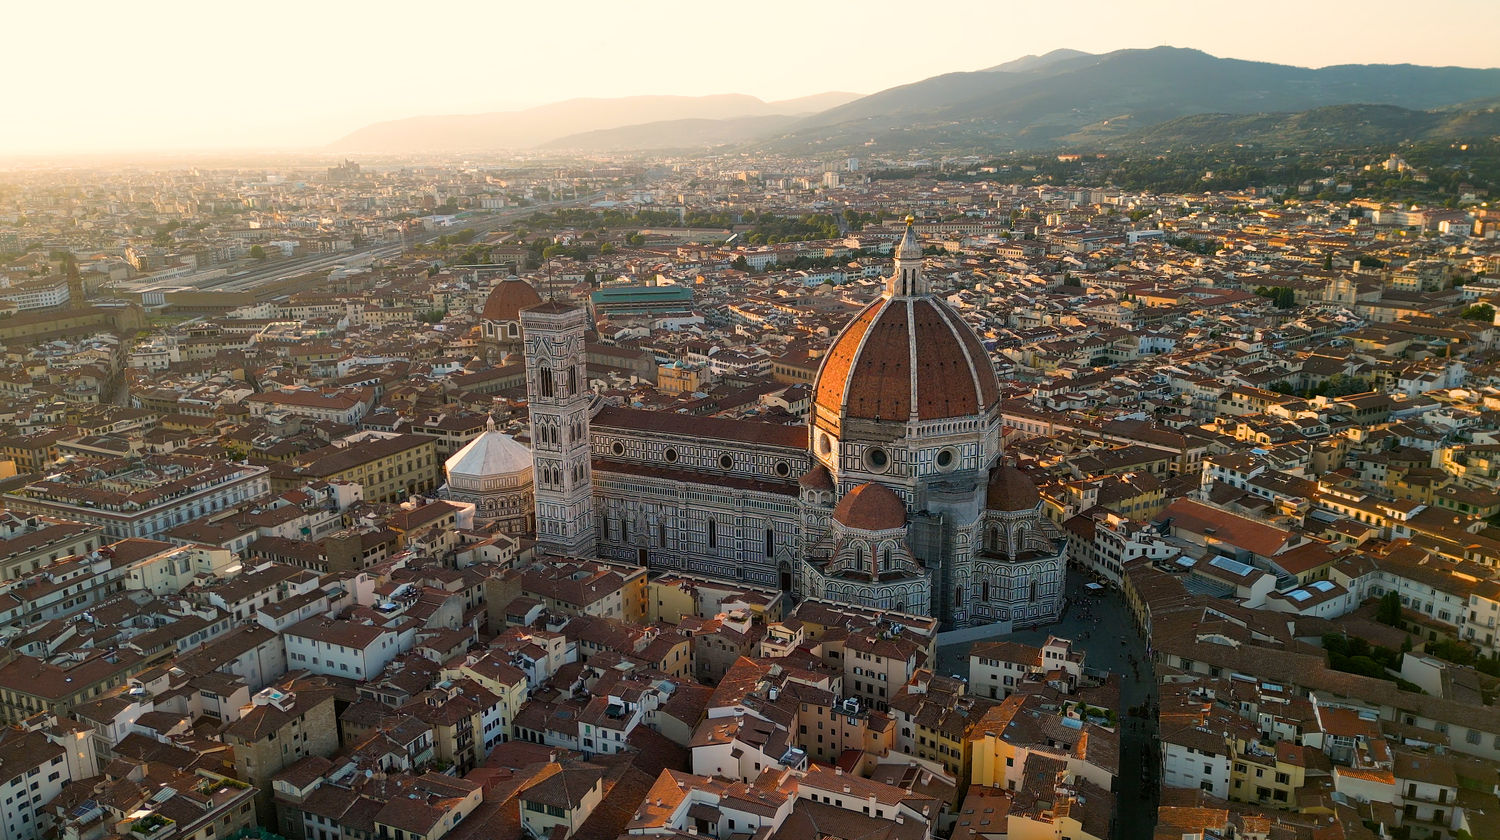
[1337, 385]
[1445, 167]
[1388, 611]
[463, 237]
[1479, 312]
[1283, 297]
[1354, 655]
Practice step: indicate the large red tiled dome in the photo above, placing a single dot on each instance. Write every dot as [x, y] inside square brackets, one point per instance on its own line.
[508, 299]
[902, 358]
[871, 507]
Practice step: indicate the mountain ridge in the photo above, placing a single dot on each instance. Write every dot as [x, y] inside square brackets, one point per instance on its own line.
[1028, 63]
[662, 135]
[1036, 101]
[1324, 127]
[540, 124]
[1152, 86]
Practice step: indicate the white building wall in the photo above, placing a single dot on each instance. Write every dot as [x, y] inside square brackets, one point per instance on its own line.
[1186, 768]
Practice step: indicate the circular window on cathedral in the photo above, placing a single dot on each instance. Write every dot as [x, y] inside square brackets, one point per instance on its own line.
[670, 455]
[783, 469]
[877, 459]
[947, 459]
[726, 462]
[825, 444]
[618, 448]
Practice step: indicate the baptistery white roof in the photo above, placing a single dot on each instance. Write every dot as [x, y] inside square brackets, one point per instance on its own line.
[493, 453]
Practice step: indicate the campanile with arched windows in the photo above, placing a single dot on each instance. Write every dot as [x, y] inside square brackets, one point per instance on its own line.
[558, 398]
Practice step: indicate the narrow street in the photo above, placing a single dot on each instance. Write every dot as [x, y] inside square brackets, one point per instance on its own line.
[1101, 626]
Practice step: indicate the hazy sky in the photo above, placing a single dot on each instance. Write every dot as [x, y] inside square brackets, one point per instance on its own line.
[100, 75]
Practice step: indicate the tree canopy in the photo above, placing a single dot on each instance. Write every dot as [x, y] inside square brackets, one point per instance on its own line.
[1479, 312]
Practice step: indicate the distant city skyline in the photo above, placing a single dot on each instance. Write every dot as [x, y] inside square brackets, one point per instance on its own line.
[275, 75]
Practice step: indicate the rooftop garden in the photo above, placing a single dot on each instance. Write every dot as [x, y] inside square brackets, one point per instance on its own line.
[150, 824]
[211, 786]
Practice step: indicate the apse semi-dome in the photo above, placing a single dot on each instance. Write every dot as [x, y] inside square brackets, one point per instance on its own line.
[818, 478]
[507, 300]
[1010, 490]
[871, 507]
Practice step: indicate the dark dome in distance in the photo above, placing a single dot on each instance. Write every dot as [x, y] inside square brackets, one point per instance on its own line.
[508, 299]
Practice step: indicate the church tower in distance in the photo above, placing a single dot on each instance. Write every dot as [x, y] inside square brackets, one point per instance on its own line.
[558, 397]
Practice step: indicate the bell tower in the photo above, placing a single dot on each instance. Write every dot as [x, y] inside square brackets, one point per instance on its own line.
[558, 398]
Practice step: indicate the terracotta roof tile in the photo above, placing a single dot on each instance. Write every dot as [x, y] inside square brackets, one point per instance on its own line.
[871, 507]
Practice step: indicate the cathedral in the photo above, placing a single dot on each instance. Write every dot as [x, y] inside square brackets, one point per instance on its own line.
[895, 495]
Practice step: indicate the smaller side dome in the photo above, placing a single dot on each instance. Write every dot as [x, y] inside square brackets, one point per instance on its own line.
[871, 507]
[817, 478]
[1010, 490]
[507, 300]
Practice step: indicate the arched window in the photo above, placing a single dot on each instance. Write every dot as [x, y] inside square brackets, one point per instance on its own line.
[625, 528]
[984, 590]
[713, 534]
[770, 542]
[994, 539]
[1033, 592]
[887, 558]
[572, 381]
[544, 381]
[661, 534]
[958, 597]
[859, 557]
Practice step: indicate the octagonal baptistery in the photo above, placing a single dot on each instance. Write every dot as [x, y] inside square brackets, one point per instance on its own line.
[907, 396]
[493, 473]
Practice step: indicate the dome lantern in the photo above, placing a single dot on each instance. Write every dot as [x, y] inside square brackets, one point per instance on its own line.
[906, 279]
